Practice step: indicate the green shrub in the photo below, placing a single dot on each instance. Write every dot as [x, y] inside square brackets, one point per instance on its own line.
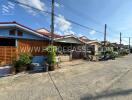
[110, 53]
[51, 54]
[51, 57]
[116, 54]
[25, 58]
[123, 52]
[23, 61]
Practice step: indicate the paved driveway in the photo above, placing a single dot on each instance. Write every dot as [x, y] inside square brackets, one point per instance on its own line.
[110, 80]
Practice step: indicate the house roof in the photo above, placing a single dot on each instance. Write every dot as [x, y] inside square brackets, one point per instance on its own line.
[67, 37]
[84, 38]
[93, 41]
[88, 41]
[44, 31]
[20, 26]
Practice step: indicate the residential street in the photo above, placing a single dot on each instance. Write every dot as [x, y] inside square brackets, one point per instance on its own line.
[109, 80]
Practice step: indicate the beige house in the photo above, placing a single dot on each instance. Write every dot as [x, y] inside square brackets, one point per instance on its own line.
[69, 42]
[94, 43]
[69, 39]
[71, 45]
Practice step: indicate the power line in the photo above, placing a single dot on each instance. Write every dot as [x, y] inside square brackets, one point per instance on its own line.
[83, 26]
[73, 22]
[87, 17]
[47, 12]
[76, 22]
[71, 9]
[95, 21]
[126, 37]
[125, 40]
[14, 1]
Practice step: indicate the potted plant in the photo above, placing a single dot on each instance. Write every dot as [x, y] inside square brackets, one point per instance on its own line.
[51, 57]
[23, 62]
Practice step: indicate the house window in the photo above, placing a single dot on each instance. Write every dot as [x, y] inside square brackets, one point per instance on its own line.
[7, 42]
[19, 33]
[12, 32]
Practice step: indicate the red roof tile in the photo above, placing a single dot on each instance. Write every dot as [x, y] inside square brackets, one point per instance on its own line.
[47, 33]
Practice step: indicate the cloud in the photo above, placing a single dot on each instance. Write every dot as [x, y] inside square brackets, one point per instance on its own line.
[62, 23]
[122, 29]
[11, 5]
[58, 32]
[92, 32]
[57, 5]
[8, 8]
[125, 41]
[33, 3]
[117, 40]
[70, 32]
[114, 40]
[5, 9]
[65, 33]
[64, 26]
[80, 35]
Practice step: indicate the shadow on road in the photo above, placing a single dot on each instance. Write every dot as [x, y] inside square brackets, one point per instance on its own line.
[108, 94]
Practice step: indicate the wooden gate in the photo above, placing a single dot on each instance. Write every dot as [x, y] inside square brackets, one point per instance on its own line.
[77, 55]
[7, 53]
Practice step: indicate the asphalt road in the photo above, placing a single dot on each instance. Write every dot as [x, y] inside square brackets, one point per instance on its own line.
[109, 80]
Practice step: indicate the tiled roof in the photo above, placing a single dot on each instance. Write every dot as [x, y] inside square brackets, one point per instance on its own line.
[84, 38]
[44, 31]
[69, 36]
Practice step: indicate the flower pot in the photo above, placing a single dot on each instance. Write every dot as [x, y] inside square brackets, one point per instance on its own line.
[52, 67]
[21, 68]
[13, 70]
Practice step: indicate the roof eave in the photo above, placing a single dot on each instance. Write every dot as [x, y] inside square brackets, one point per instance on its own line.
[9, 24]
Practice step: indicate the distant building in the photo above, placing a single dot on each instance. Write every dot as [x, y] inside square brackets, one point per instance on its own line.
[94, 43]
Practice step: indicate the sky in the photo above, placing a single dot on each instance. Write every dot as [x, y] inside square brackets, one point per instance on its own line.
[117, 14]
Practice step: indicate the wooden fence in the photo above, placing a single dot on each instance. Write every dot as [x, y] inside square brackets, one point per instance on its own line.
[32, 46]
[7, 54]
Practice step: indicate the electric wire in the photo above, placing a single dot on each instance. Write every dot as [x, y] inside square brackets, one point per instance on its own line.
[73, 22]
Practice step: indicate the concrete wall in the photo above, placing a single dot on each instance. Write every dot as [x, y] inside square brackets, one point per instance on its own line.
[64, 58]
[96, 48]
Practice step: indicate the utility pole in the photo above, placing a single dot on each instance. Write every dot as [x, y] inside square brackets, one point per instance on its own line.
[120, 38]
[105, 35]
[120, 41]
[129, 43]
[52, 23]
[104, 48]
